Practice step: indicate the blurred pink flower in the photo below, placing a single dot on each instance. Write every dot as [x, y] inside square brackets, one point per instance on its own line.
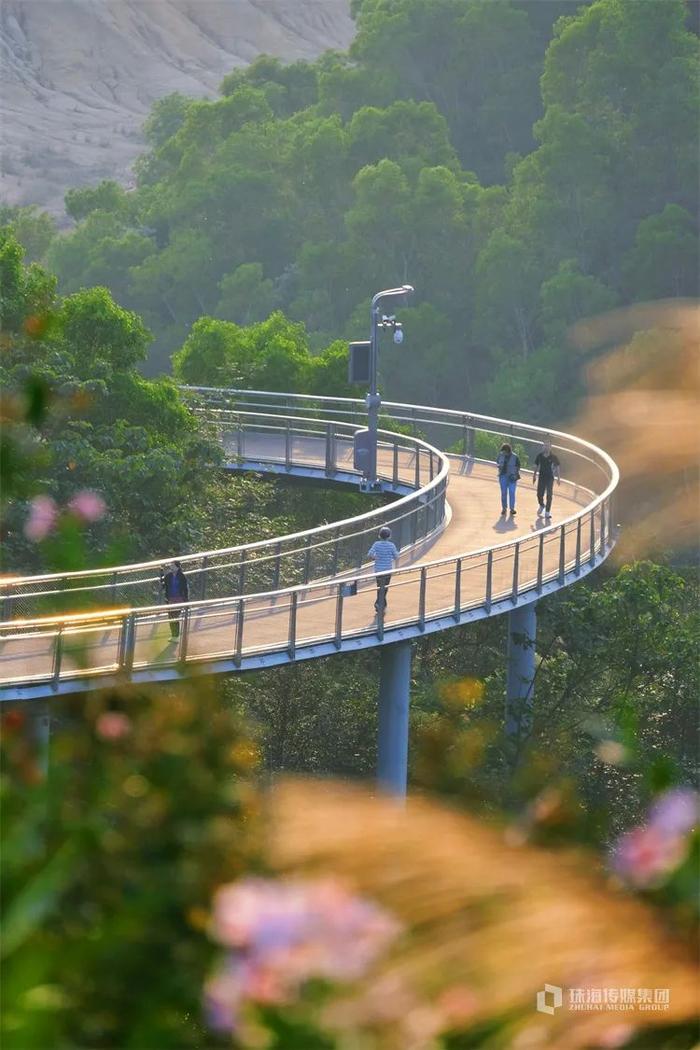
[88, 505]
[645, 855]
[42, 518]
[676, 812]
[616, 1036]
[457, 1004]
[282, 934]
[113, 725]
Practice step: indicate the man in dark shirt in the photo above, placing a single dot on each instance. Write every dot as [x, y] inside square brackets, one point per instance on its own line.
[176, 591]
[546, 470]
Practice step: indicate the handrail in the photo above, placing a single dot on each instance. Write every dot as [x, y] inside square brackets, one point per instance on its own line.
[446, 586]
[392, 513]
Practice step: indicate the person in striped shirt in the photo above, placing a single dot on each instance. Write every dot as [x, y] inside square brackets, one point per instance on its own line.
[383, 553]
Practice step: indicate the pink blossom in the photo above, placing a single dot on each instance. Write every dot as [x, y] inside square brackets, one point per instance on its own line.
[645, 855]
[676, 812]
[113, 725]
[282, 934]
[616, 1036]
[88, 505]
[42, 518]
[457, 1004]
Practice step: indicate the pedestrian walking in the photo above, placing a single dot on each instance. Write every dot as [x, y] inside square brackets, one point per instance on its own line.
[176, 591]
[508, 464]
[383, 553]
[546, 470]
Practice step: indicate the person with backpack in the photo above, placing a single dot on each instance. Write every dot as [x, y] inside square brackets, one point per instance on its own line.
[546, 470]
[176, 591]
[508, 464]
[383, 553]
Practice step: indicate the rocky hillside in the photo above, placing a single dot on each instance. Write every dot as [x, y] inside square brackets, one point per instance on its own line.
[77, 77]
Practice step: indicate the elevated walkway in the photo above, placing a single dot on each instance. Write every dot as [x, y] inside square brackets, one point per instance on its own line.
[288, 598]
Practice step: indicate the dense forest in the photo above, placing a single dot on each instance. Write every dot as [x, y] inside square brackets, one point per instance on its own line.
[523, 165]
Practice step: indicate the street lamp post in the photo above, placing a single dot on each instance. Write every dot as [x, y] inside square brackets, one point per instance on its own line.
[373, 400]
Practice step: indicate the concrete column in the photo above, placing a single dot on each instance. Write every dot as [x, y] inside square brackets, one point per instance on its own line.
[394, 692]
[520, 673]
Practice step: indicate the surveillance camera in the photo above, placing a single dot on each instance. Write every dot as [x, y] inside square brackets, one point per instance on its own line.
[398, 336]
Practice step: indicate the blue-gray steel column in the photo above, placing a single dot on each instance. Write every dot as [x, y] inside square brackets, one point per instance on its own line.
[41, 729]
[394, 692]
[520, 672]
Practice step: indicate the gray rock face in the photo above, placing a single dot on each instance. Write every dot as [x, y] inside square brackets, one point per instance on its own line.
[77, 77]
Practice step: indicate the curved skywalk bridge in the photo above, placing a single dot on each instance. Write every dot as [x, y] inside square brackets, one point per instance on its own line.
[287, 599]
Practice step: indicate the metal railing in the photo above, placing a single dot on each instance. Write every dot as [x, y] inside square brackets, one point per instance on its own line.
[323, 615]
[406, 465]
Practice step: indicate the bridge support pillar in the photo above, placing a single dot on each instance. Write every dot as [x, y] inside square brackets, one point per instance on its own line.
[520, 675]
[394, 692]
[41, 731]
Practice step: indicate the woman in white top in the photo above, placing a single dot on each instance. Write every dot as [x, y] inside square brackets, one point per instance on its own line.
[383, 553]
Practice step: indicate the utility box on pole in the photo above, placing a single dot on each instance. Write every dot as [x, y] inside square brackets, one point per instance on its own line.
[364, 453]
[360, 362]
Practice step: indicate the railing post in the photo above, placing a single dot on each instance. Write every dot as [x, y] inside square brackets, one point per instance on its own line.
[489, 580]
[57, 657]
[516, 572]
[602, 527]
[457, 612]
[329, 454]
[421, 599]
[416, 477]
[129, 643]
[339, 617]
[292, 640]
[465, 436]
[470, 440]
[287, 449]
[307, 560]
[562, 554]
[238, 643]
[203, 587]
[239, 439]
[578, 546]
[395, 464]
[540, 562]
[241, 572]
[336, 545]
[591, 552]
[121, 644]
[276, 567]
[113, 587]
[184, 635]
